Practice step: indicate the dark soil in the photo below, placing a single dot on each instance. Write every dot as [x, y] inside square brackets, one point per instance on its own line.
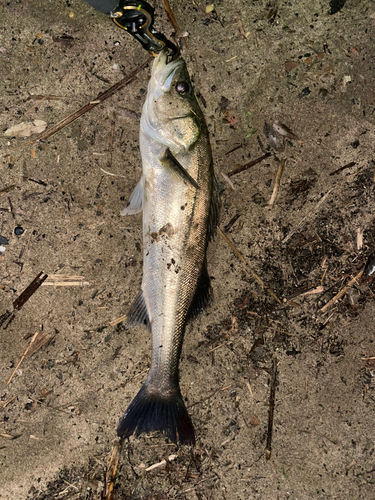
[309, 65]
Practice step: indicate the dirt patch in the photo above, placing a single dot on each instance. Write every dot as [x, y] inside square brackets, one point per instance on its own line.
[252, 64]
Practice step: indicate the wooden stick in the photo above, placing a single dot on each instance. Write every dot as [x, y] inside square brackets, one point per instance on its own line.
[171, 15]
[261, 282]
[277, 183]
[272, 409]
[248, 165]
[300, 224]
[341, 292]
[111, 473]
[118, 320]
[23, 357]
[230, 243]
[29, 291]
[101, 97]
[162, 463]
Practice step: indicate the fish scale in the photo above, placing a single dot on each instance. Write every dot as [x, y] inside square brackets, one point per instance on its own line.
[178, 190]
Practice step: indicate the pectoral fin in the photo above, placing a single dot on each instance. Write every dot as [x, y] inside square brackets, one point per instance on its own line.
[172, 165]
[135, 200]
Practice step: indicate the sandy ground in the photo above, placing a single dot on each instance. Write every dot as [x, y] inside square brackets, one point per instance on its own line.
[252, 63]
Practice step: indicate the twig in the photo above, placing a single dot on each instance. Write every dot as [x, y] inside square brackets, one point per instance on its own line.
[65, 280]
[249, 387]
[261, 282]
[248, 165]
[231, 222]
[193, 487]
[113, 175]
[118, 320]
[6, 318]
[170, 15]
[30, 290]
[228, 181]
[300, 224]
[7, 189]
[23, 357]
[348, 165]
[318, 289]
[14, 397]
[272, 409]
[234, 149]
[277, 183]
[302, 290]
[341, 292]
[236, 252]
[162, 463]
[242, 259]
[359, 238]
[101, 97]
[111, 473]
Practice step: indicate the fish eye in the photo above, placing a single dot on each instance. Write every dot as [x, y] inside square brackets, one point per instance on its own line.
[182, 88]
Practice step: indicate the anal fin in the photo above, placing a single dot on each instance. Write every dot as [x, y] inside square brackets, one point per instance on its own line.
[172, 165]
[202, 294]
[137, 314]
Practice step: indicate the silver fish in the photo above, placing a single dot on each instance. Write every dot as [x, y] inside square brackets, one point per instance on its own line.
[177, 196]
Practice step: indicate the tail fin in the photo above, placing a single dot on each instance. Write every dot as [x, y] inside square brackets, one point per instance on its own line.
[151, 412]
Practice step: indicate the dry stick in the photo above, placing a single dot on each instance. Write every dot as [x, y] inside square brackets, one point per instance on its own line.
[23, 357]
[7, 317]
[272, 409]
[110, 476]
[248, 165]
[171, 15]
[162, 463]
[348, 165]
[341, 292]
[277, 183]
[300, 224]
[30, 290]
[118, 320]
[241, 257]
[101, 97]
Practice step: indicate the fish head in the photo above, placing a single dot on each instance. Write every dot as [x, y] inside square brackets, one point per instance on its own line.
[171, 115]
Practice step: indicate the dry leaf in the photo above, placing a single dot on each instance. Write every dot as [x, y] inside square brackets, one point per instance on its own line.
[26, 129]
[42, 339]
[284, 130]
[289, 65]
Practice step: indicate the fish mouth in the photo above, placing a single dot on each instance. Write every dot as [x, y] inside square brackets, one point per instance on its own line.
[163, 72]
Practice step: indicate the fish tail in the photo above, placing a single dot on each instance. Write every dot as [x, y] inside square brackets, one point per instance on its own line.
[153, 412]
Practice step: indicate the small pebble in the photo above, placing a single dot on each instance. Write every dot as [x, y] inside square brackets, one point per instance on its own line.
[18, 231]
[305, 92]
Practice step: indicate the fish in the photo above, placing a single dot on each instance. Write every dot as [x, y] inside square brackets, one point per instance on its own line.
[177, 194]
